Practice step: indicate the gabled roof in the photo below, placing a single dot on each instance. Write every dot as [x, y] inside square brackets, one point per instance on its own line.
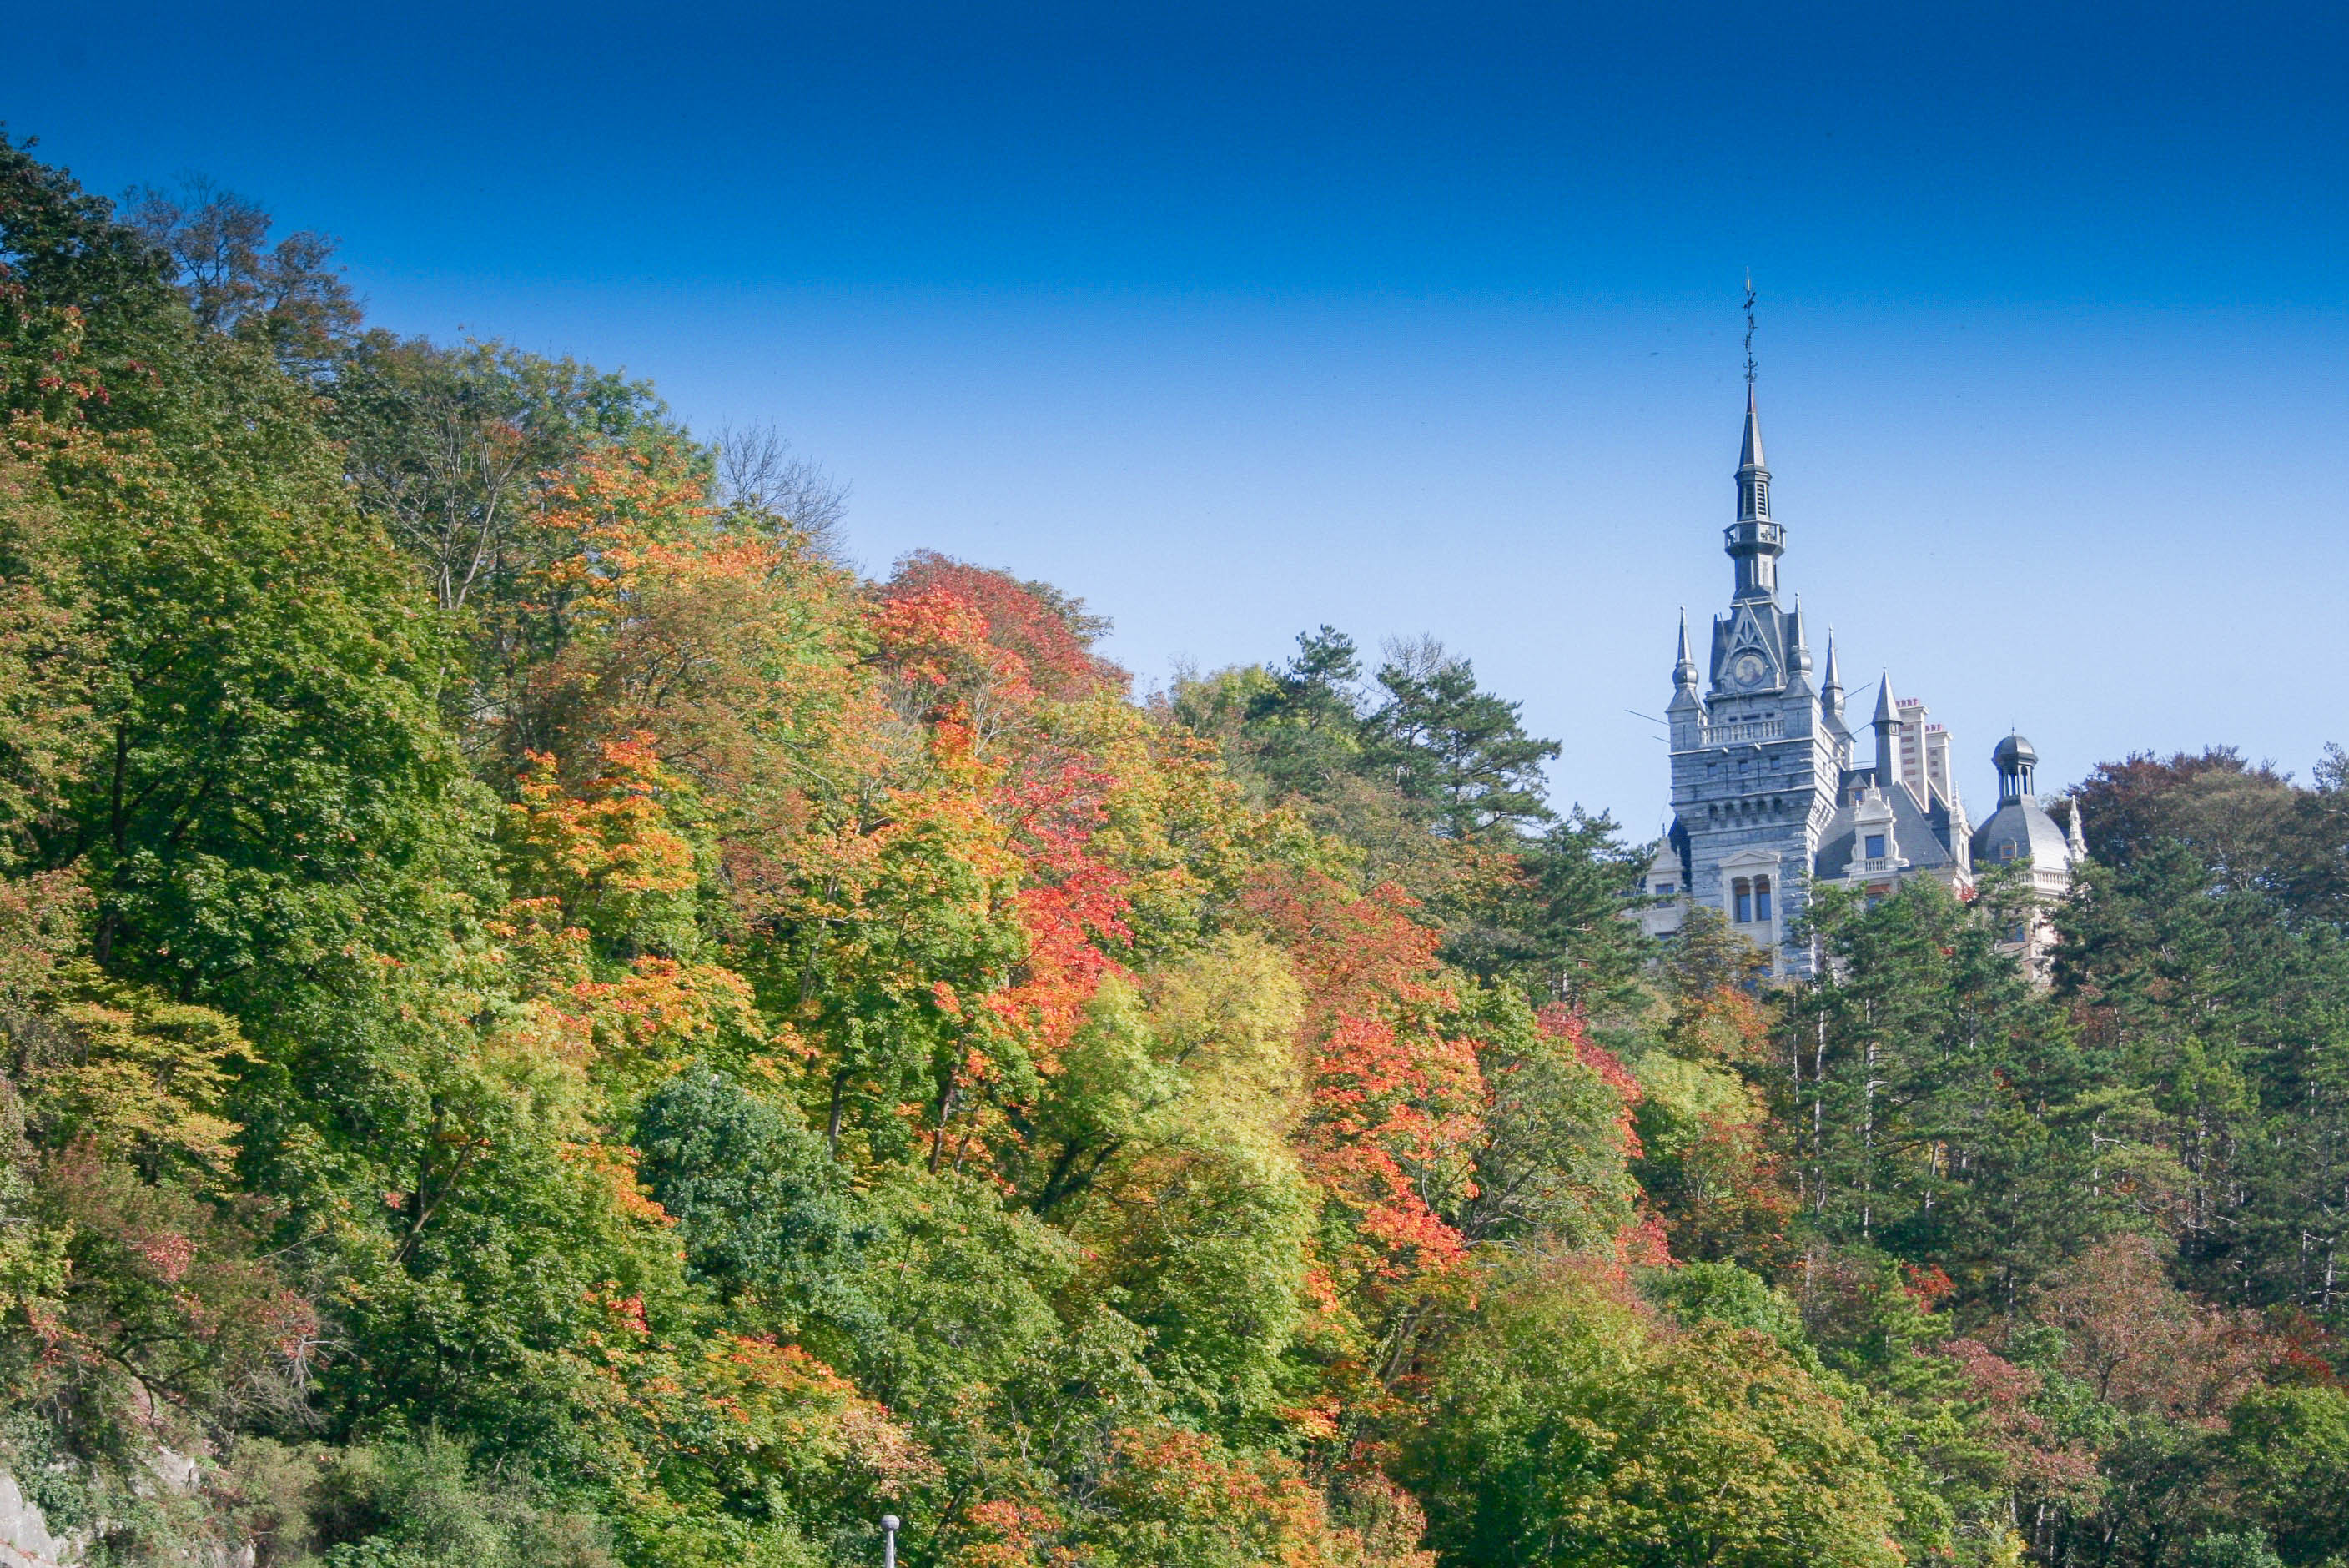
[1922, 835]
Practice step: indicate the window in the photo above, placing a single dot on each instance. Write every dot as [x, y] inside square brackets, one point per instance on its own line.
[1744, 894]
[1761, 898]
[1664, 888]
[1875, 846]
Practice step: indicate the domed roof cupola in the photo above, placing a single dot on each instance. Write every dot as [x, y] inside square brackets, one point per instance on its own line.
[2016, 761]
[2020, 828]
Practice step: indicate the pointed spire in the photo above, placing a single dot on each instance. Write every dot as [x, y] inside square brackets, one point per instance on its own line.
[2074, 839]
[1886, 725]
[1831, 683]
[1798, 650]
[1751, 457]
[1684, 666]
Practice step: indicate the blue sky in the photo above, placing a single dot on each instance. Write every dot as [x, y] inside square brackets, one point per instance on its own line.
[1238, 320]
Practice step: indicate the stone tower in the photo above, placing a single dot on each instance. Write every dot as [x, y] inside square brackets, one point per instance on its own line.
[1768, 799]
[1758, 749]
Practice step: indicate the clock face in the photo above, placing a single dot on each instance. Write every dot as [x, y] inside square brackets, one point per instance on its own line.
[1748, 670]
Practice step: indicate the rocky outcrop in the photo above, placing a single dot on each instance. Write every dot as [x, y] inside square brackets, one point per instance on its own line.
[24, 1538]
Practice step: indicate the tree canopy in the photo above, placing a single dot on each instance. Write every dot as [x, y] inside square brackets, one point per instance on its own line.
[550, 1019]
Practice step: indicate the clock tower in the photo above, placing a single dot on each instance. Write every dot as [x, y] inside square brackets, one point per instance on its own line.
[1767, 797]
[1759, 752]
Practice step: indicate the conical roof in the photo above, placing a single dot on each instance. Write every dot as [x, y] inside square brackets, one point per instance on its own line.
[1751, 457]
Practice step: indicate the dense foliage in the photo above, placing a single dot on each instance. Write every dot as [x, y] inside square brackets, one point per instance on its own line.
[548, 1020]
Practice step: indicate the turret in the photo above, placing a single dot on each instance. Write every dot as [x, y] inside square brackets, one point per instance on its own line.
[1686, 710]
[1753, 542]
[1798, 673]
[2016, 761]
[1886, 725]
[1831, 683]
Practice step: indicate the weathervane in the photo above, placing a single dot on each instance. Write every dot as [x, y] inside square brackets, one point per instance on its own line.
[1749, 326]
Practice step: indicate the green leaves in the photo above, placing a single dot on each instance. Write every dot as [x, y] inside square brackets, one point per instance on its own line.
[1567, 1427]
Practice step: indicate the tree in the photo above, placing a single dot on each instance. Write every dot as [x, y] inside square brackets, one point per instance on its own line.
[760, 482]
[284, 295]
[452, 450]
[1452, 748]
[2288, 1448]
[1937, 1104]
[1567, 1425]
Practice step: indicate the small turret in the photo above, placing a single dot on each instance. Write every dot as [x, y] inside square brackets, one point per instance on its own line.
[1886, 725]
[1831, 682]
[2015, 759]
[1685, 712]
[2075, 839]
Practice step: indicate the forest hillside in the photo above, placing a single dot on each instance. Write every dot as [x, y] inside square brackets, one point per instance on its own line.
[547, 1019]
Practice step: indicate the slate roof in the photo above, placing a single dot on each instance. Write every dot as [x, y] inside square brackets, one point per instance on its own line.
[2023, 823]
[1922, 836]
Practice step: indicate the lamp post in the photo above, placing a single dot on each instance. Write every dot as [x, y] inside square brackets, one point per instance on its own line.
[889, 1525]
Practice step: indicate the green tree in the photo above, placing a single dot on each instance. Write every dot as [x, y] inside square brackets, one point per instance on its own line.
[2289, 1449]
[1569, 1426]
[1455, 750]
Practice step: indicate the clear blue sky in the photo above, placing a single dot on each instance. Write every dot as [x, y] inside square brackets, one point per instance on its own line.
[1238, 320]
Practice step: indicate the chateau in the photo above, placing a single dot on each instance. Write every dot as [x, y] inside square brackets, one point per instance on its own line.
[1768, 798]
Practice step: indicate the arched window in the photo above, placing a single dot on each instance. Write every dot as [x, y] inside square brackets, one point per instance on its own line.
[1744, 890]
[1761, 898]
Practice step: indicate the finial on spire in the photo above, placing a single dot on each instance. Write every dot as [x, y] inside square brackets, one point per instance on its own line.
[1749, 336]
[1753, 541]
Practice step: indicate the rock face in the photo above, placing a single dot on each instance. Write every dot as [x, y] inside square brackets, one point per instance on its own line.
[24, 1538]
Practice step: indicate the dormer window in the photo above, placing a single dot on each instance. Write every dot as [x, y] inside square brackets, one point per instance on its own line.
[1875, 851]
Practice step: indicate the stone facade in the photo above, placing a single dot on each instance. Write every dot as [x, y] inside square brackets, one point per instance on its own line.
[1768, 796]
